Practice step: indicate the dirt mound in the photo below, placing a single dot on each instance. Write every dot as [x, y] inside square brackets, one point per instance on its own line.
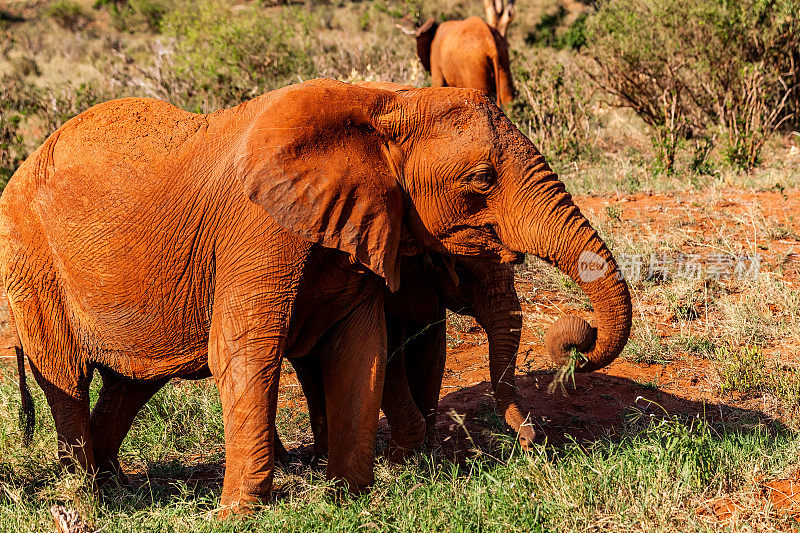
[779, 497]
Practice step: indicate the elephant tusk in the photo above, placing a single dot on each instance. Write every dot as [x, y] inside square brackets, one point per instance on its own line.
[406, 30]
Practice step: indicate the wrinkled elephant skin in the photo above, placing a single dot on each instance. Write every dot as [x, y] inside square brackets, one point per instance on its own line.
[148, 243]
[415, 319]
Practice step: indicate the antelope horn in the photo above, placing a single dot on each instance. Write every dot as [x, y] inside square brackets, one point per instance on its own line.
[505, 18]
[492, 14]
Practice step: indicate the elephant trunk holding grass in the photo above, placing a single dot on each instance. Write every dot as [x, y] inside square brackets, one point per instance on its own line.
[149, 243]
[470, 53]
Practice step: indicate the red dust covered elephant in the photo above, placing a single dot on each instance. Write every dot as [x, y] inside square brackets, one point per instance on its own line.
[470, 52]
[416, 325]
[146, 243]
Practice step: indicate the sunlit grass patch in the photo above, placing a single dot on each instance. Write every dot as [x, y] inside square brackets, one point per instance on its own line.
[651, 476]
[747, 371]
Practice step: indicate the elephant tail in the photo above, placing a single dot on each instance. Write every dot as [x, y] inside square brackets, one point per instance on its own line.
[27, 410]
[503, 84]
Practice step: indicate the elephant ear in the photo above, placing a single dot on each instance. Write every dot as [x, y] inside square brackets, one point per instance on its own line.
[425, 35]
[320, 159]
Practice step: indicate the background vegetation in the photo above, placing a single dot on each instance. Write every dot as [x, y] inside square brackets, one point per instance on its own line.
[626, 98]
[711, 80]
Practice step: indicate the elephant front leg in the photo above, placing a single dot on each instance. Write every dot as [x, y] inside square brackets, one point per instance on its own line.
[406, 423]
[309, 374]
[353, 371]
[425, 358]
[245, 360]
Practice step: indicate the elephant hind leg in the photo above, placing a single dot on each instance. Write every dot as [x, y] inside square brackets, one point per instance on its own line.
[60, 369]
[71, 417]
[69, 406]
[425, 358]
[406, 422]
[27, 411]
[309, 373]
[119, 401]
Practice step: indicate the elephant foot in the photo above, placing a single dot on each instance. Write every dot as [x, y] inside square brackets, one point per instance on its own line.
[396, 453]
[343, 490]
[282, 456]
[235, 509]
[405, 441]
[245, 505]
[110, 472]
[431, 436]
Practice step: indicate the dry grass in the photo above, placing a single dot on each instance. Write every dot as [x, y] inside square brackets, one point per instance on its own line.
[652, 479]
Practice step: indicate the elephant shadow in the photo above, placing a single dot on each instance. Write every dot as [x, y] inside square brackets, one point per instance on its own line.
[597, 406]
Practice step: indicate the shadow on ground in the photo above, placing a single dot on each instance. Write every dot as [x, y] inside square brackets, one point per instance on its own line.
[598, 407]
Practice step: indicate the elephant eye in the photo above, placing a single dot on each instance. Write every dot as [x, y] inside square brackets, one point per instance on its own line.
[482, 180]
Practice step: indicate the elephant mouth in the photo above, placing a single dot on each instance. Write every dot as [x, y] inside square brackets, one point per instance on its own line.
[518, 259]
[480, 241]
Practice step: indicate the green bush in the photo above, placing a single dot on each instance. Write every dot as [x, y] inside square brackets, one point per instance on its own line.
[551, 31]
[575, 35]
[746, 370]
[10, 141]
[690, 66]
[137, 15]
[552, 105]
[17, 100]
[222, 58]
[151, 12]
[69, 15]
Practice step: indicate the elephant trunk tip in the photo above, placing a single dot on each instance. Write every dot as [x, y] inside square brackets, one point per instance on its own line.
[570, 333]
[520, 421]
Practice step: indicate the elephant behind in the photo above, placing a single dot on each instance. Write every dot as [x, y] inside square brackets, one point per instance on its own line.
[470, 53]
[416, 324]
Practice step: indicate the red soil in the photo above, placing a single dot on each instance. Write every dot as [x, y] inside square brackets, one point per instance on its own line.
[597, 404]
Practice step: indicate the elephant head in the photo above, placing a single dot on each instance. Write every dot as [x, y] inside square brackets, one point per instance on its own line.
[356, 168]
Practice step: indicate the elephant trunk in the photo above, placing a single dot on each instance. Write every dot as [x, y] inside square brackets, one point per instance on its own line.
[498, 311]
[556, 231]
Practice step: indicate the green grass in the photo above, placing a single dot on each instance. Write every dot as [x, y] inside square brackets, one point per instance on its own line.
[651, 477]
[69, 15]
[747, 371]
